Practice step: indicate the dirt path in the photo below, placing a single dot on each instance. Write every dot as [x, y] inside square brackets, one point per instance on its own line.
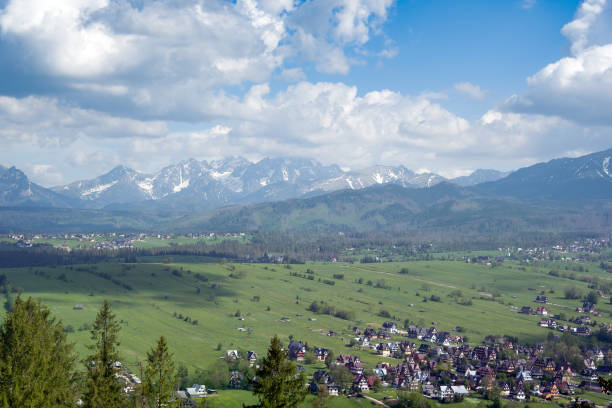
[436, 283]
[375, 401]
[443, 285]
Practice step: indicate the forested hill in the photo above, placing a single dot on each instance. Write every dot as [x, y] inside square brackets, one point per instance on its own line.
[435, 212]
[442, 209]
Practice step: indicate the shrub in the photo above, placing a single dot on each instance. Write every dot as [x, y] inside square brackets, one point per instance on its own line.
[384, 313]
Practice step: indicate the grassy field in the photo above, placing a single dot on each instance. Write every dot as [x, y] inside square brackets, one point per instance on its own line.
[146, 297]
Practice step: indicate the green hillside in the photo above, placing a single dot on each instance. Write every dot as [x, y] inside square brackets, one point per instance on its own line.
[158, 291]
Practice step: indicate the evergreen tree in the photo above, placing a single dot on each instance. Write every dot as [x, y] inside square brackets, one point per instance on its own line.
[36, 362]
[103, 390]
[160, 375]
[277, 383]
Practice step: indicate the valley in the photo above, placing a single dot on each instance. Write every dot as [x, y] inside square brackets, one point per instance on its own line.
[205, 309]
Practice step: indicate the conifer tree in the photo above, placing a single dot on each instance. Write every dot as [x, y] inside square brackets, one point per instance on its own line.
[277, 383]
[36, 362]
[160, 375]
[103, 390]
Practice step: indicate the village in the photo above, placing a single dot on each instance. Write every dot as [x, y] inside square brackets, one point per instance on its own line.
[434, 363]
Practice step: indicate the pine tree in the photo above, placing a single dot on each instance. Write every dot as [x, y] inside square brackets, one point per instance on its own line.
[103, 390]
[160, 375]
[36, 362]
[277, 383]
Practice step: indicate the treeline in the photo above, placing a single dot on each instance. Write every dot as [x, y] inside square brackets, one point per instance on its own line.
[289, 248]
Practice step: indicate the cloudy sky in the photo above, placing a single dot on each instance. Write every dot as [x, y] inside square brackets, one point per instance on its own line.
[443, 85]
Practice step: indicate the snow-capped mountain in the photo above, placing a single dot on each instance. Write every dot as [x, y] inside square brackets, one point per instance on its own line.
[370, 176]
[480, 176]
[120, 185]
[197, 184]
[201, 184]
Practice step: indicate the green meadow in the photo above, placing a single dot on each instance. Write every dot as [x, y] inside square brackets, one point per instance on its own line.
[148, 299]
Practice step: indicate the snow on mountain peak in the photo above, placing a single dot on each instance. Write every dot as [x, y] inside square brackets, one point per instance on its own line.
[606, 165]
[98, 188]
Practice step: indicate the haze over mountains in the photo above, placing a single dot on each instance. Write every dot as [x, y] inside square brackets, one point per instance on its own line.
[299, 194]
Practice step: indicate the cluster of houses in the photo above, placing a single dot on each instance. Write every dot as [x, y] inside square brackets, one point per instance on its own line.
[368, 338]
[110, 240]
[573, 252]
[450, 373]
[550, 322]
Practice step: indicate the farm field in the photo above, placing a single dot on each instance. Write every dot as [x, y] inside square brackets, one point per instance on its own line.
[155, 298]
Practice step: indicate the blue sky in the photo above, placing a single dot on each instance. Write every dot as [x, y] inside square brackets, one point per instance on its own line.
[445, 86]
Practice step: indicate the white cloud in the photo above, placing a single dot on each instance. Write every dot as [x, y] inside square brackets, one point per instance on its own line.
[471, 90]
[164, 58]
[331, 122]
[577, 31]
[293, 74]
[47, 122]
[577, 87]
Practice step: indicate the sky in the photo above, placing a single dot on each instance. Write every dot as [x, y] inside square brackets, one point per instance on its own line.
[436, 85]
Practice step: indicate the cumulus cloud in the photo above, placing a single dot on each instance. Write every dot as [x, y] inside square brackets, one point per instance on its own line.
[331, 122]
[163, 58]
[132, 76]
[47, 122]
[579, 86]
[471, 90]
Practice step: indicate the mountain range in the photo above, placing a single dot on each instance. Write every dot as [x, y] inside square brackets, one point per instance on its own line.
[569, 194]
[202, 185]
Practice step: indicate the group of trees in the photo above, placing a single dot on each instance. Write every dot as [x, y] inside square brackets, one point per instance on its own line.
[38, 367]
[38, 364]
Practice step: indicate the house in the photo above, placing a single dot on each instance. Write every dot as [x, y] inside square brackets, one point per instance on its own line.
[518, 394]
[390, 327]
[541, 299]
[550, 391]
[383, 349]
[361, 383]
[583, 331]
[297, 349]
[196, 391]
[232, 354]
[524, 376]
[369, 333]
[355, 367]
[526, 310]
[333, 389]
[541, 310]
[251, 358]
[460, 390]
[321, 353]
[504, 389]
[78, 307]
[507, 366]
[323, 379]
[588, 307]
[445, 393]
